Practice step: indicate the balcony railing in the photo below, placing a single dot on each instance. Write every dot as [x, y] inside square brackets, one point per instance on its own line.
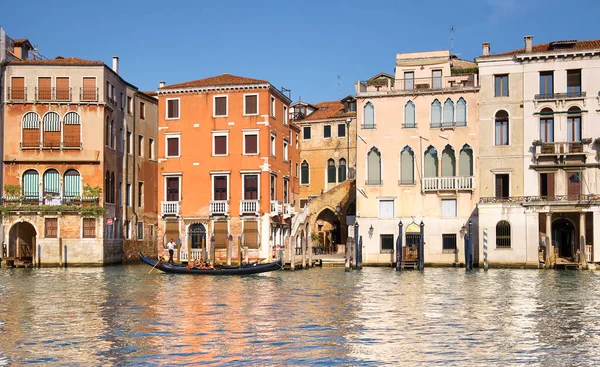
[368, 126]
[448, 183]
[288, 209]
[409, 126]
[219, 207]
[568, 95]
[590, 198]
[556, 148]
[170, 208]
[44, 94]
[447, 124]
[276, 207]
[35, 145]
[17, 94]
[420, 84]
[63, 94]
[31, 202]
[249, 207]
[88, 94]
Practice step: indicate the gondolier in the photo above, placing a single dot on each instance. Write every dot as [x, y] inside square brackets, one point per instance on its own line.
[171, 248]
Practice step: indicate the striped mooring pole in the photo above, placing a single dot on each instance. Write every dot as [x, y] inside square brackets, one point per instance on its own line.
[485, 241]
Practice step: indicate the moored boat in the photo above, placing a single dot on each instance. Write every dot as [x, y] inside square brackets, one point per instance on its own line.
[223, 270]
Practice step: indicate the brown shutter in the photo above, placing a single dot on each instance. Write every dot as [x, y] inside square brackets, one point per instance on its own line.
[89, 228]
[72, 135]
[220, 144]
[45, 88]
[574, 185]
[173, 108]
[171, 231]
[221, 235]
[52, 139]
[220, 188]
[250, 187]
[251, 105]
[173, 147]
[250, 235]
[31, 138]
[172, 188]
[17, 90]
[62, 89]
[251, 144]
[89, 89]
[550, 185]
[220, 106]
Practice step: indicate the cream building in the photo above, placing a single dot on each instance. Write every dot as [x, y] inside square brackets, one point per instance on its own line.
[417, 140]
[538, 110]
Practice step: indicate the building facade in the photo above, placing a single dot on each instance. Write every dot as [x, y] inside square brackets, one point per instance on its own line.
[538, 166]
[227, 158]
[416, 148]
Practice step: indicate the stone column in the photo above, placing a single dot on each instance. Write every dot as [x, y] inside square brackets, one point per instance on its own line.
[303, 248]
[582, 257]
[549, 247]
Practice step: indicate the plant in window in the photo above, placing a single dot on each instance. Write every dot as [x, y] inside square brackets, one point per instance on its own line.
[12, 190]
[91, 192]
[537, 143]
[586, 140]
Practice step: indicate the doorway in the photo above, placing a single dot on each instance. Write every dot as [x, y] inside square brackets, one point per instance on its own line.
[197, 237]
[21, 241]
[563, 237]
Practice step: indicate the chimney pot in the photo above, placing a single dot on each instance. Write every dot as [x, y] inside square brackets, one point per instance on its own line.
[115, 65]
[485, 48]
[161, 84]
[528, 43]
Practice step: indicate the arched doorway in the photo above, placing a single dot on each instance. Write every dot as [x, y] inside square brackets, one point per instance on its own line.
[197, 238]
[21, 241]
[410, 252]
[328, 231]
[563, 237]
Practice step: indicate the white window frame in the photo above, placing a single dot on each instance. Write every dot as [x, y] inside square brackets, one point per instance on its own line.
[251, 132]
[151, 148]
[226, 105]
[250, 173]
[128, 193]
[131, 143]
[137, 231]
[272, 107]
[220, 133]
[285, 150]
[286, 188]
[141, 146]
[393, 207]
[442, 201]
[171, 136]
[285, 114]
[257, 105]
[178, 109]
[273, 144]
[142, 110]
[129, 105]
[179, 179]
[212, 183]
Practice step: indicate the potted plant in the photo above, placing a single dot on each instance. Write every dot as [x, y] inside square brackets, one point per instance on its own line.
[537, 143]
[586, 140]
[12, 191]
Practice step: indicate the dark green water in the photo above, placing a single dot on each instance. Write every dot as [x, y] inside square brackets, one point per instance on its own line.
[123, 316]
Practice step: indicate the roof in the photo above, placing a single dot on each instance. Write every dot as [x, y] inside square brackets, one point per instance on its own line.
[152, 93]
[382, 75]
[328, 110]
[215, 81]
[554, 46]
[23, 42]
[59, 60]
[462, 64]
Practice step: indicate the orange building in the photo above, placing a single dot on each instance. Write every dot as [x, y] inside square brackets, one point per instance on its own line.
[228, 166]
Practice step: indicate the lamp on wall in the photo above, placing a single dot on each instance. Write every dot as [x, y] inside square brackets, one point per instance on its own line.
[422, 67]
[371, 231]
[463, 231]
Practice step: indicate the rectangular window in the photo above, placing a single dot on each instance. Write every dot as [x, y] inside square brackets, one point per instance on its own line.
[172, 109]
[449, 243]
[327, 131]
[437, 79]
[89, 91]
[51, 227]
[140, 231]
[574, 185]
[409, 80]
[449, 208]
[173, 146]
[140, 145]
[108, 90]
[387, 243]
[17, 88]
[501, 85]
[220, 145]
[286, 191]
[502, 186]
[63, 90]
[251, 104]
[501, 131]
[341, 130]
[129, 104]
[250, 143]
[386, 208]
[220, 106]
[285, 151]
[303, 203]
[273, 145]
[172, 188]
[220, 187]
[250, 187]
[285, 115]
[273, 187]
[574, 83]
[547, 185]
[142, 110]
[150, 148]
[44, 91]
[122, 101]
[128, 195]
[250, 234]
[546, 83]
[89, 228]
[129, 142]
[273, 107]
[140, 194]
[306, 133]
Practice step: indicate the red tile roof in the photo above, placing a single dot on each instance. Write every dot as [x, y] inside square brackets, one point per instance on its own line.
[215, 81]
[59, 60]
[22, 42]
[328, 110]
[554, 46]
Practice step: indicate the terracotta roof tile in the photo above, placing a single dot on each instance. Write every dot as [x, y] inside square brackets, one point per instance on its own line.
[215, 81]
[22, 42]
[547, 47]
[59, 60]
[328, 110]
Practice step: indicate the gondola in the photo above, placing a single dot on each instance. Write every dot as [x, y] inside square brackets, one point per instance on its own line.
[224, 270]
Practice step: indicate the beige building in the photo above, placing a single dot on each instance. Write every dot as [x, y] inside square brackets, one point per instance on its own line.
[416, 148]
[538, 153]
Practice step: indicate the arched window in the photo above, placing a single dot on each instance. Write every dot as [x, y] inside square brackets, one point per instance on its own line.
[448, 113]
[501, 128]
[436, 114]
[31, 130]
[330, 171]
[574, 124]
[72, 184]
[503, 234]
[304, 173]
[431, 162]
[547, 125]
[341, 170]
[107, 187]
[407, 166]
[51, 182]
[112, 187]
[72, 130]
[466, 162]
[369, 116]
[31, 185]
[409, 115]
[448, 162]
[374, 167]
[51, 123]
[461, 112]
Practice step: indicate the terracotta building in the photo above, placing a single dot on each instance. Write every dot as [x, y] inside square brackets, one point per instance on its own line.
[227, 158]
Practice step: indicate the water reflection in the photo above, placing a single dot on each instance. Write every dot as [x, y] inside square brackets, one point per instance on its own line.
[123, 316]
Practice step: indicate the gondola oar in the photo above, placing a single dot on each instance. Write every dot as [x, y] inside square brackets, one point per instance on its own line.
[154, 265]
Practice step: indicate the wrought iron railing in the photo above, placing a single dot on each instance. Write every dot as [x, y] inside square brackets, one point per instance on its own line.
[540, 199]
[444, 124]
[409, 126]
[17, 94]
[44, 94]
[17, 203]
[88, 94]
[547, 96]
[417, 84]
[571, 147]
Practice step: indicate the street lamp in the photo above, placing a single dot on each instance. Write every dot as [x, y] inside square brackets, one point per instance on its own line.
[371, 231]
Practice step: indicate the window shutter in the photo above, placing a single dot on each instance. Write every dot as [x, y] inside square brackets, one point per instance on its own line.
[550, 184]
[386, 208]
[251, 144]
[72, 184]
[250, 236]
[449, 208]
[466, 163]
[369, 117]
[17, 90]
[31, 185]
[499, 188]
[250, 187]
[251, 105]
[409, 115]
[44, 88]
[220, 145]
[448, 163]
[173, 147]
[221, 234]
[62, 88]
[374, 172]
[172, 188]
[220, 106]
[407, 168]
[173, 108]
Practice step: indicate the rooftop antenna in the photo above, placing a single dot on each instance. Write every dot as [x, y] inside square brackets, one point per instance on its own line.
[452, 28]
[339, 78]
[288, 91]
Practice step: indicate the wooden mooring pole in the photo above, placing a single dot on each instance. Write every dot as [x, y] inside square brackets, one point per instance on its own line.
[399, 247]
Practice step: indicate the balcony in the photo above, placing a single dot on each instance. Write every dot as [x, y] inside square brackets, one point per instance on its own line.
[417, 85]
[581, 199]
[251, 207]
[276, 207]
[219, 207]
[170, 208]
[447, 124]
[560, 96]
[88, 94]
[17, 94]
[560, 151]
[288, 210]
[448, 183]
[49, 203]
[37, 145]
[368, 126]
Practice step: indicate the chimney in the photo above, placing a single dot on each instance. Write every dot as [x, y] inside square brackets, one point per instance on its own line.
[116, 64]
[485, 48]
[161, 84]
[528, 43]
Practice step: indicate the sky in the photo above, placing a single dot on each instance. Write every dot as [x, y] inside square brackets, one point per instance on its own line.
[317, 49]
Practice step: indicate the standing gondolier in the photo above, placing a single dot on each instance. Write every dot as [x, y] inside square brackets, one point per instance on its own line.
[171, 248]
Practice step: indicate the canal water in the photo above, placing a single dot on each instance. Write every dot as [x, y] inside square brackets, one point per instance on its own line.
[321, 317]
